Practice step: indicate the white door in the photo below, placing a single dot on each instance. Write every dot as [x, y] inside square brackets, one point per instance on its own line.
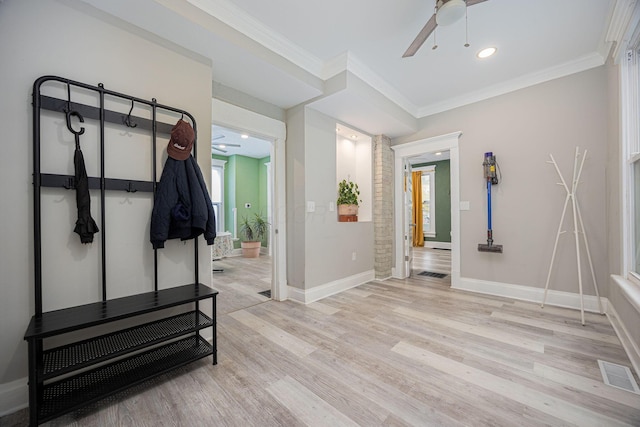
[408, 216]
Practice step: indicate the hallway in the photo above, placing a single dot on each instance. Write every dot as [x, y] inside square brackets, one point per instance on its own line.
[431, 260]
[240, 282]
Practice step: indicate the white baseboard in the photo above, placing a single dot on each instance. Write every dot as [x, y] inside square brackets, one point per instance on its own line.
[631, 293]
[238, 252]
[630, 346]
[528, 293]
[13, 396]
[316, 293]
[437, 245]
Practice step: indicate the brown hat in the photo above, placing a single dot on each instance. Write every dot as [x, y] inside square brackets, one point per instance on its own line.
[182, 136]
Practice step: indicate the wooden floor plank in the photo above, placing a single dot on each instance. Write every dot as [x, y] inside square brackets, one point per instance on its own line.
[560, 409]
[306, 406]
[408, 352]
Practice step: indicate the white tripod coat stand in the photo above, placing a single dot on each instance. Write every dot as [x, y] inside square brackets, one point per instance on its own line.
[577, 220]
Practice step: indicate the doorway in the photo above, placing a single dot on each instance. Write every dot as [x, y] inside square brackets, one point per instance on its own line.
[403, 226]
[431, 206]
[241, 185]
[234, 117]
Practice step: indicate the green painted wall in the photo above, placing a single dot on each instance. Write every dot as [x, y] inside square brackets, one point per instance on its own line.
[443, 201]
[245, 181]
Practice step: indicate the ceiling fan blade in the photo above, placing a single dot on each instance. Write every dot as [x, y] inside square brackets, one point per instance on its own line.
[218, 149]
[227, 145]
[422, 37]
[472, 2]
[215, 138]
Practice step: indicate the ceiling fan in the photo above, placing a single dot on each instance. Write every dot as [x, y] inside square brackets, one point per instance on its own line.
[220, 146]
[446, 12]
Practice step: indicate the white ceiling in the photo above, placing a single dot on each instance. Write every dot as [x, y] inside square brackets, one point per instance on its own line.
[287, 52]
[250, 146]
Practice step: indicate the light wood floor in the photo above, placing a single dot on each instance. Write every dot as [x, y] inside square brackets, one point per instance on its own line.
[394, 353]
[434, 260]
[238, 285]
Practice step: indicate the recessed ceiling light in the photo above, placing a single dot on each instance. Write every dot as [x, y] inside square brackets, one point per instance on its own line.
[222, 146]
[487, 52]
[354, 136]
[438, 153]
[244, 136]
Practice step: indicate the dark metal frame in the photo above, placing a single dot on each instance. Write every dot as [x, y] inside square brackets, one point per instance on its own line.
[164, 339]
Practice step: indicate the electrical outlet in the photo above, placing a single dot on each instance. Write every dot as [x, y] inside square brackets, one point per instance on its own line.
[353, 256]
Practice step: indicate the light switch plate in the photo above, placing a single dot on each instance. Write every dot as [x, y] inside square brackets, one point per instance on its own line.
[464, 205]
[311, 206]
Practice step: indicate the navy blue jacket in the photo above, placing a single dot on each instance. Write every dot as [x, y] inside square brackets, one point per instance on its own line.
[182, 207]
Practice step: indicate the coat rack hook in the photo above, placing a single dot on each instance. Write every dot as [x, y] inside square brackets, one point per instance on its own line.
[131, 188]
[79, 116]
[68, 97]
[70, 183]
[127, 120]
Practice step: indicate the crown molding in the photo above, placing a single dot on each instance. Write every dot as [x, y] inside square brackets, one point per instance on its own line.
[580, 64]
[238, 19]
[621, 14]
[366, 74]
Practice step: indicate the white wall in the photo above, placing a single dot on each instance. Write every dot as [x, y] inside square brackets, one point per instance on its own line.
[320, 249]
[50, 37]
[295, 197]
[522, 128]
[329, 244]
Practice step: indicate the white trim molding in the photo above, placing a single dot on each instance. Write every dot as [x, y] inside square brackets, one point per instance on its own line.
[227, 115]
[529, 293]
[632, 295]
[580, 64]
[307, 296]
[13, 396]
[411, 149]
[434, 244]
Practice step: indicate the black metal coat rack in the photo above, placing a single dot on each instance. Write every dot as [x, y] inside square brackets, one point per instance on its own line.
[67, 377]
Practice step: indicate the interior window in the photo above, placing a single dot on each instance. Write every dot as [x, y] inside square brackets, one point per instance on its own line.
[636, 217]
[631, 144]
[217, 193]
[428, 183]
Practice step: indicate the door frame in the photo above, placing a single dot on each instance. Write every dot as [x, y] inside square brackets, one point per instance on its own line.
[411, 149]
[231, 116]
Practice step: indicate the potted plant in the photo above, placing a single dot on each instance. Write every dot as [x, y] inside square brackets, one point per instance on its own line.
[252, 232]
[348, 200]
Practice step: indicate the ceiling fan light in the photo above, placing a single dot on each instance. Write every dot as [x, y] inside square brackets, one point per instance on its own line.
[486, 52]
[450, 12]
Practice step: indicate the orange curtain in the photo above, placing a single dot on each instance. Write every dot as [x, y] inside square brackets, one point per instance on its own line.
[416, 216]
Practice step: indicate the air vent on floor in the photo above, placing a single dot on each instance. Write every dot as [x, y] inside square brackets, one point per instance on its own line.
[432, 274]
[618, 376]
[266, 293]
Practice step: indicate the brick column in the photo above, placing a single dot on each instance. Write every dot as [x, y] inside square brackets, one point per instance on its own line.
[383, 205]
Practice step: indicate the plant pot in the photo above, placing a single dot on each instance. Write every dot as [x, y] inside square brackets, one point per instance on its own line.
[347, 209]
[250, 249]
[347, 213]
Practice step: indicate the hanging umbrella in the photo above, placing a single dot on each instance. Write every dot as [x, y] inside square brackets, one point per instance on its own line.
[86, 227]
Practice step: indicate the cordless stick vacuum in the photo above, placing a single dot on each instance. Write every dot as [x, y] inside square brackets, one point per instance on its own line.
[491, 177]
